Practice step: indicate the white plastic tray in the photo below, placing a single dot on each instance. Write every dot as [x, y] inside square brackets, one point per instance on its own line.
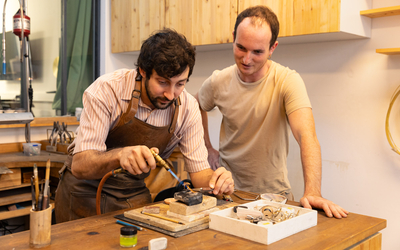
[226, 221]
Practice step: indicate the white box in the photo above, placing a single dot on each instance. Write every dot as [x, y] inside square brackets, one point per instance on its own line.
[226, 221]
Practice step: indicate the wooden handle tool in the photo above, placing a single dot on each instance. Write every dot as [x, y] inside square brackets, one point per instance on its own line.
[36, 176]
[46, 186]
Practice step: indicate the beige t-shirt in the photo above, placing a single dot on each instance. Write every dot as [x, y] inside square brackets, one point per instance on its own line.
[254, 136]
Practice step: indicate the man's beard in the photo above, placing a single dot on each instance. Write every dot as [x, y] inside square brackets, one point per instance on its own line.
[154, 100]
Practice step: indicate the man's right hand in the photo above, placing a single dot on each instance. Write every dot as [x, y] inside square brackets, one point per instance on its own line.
[137, 159]
[213, 158]
[93, 164]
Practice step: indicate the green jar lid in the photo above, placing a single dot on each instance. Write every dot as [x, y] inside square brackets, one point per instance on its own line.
[128, 231]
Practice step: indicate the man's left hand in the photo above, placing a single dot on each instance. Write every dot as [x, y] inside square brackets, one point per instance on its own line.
[222, 182]
[330, 208]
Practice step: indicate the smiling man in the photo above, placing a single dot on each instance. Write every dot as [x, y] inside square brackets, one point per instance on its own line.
[260, 100]
[127, 113]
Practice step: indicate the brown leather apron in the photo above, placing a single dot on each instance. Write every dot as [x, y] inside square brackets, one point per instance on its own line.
[77, 198]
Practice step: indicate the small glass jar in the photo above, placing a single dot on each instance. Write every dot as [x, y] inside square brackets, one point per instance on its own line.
[128, 237]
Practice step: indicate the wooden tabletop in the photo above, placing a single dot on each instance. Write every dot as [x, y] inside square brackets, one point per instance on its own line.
[102, 232]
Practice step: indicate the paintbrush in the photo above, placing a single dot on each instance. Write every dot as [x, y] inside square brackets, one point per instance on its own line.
[33, 194]
[46, 186]
[40, 201]
[35, 174]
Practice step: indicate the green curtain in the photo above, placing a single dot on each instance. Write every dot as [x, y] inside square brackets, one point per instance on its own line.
[79, 54]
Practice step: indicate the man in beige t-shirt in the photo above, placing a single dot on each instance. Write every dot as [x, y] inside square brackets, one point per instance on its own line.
[260, 100]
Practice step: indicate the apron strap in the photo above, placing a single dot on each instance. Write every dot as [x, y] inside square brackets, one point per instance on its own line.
[132, 107]
[135, 99]
[175, 116]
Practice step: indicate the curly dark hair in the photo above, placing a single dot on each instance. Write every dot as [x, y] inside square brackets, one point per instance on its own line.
[265, 14]
[167, 52]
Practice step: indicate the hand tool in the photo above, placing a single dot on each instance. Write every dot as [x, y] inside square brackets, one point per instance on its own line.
[227, 197]
[53, 139]
[168, 168]
[53, 132]
[46, 186]
[33, 194]
[40, 201]
[66, 133]
[35, 174]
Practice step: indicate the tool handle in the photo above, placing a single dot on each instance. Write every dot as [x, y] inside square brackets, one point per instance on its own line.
[45, 194]
[45, 201]
[33, 195]
[35, 174]
[160, 160]
[40, 202]
[48, 169]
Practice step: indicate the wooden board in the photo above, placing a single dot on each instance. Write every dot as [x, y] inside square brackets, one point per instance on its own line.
[183, 209]
[170, 226]
[173, 234]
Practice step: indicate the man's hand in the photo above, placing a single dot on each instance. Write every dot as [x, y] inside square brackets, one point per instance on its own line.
[137, 159]
[330, 208]
[213, 158]
[222, 182]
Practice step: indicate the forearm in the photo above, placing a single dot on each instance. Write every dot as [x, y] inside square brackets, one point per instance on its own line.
[93, 164]
[312, 166]
[302, 124]
[201, 178]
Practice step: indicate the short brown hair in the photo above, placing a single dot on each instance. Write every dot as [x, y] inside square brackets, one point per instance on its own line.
[264, 13]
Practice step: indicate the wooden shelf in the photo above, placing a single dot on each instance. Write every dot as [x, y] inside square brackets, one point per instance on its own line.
[13, 199]
[45, 122]
[392, 51]
[18, 212]
[381, 12]
[20, 186]
[15, 213]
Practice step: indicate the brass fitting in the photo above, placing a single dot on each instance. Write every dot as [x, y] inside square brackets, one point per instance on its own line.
[160, 160]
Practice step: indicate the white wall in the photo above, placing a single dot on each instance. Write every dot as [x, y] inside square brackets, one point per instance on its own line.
[44, 40]
[350, 87]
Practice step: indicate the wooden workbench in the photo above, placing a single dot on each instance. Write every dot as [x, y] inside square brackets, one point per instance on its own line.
[101, 232]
